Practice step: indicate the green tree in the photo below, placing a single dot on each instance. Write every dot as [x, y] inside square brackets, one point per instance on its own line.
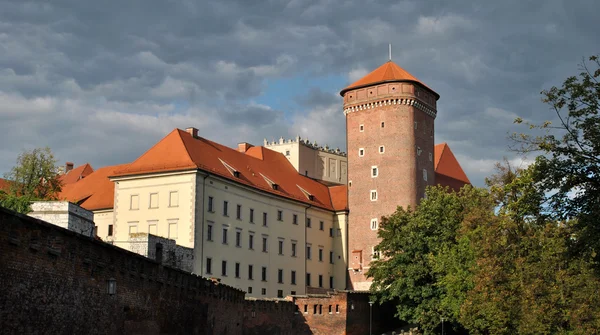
[34, 177]
[569, 170]
[425, 267]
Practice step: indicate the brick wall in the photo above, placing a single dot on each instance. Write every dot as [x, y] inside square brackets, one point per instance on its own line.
[169, 253]
[273, 316]
[55, 280]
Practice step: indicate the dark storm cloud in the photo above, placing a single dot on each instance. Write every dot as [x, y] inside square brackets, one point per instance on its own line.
[102, 81]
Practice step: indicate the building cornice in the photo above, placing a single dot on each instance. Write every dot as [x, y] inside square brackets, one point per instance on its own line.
[389, 102]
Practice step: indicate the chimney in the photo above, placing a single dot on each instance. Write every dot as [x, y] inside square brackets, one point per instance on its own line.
[243, 147]
[192, 131]
[68, 167]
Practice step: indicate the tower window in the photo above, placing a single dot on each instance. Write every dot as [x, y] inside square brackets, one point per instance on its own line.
[430, 157]
[416, 124]
[381, 149]
[361, 152]
[287, 152]
[374, 224]
[374, 171]
[361, 128]
[350, 183]
[424, 174]
[382, 124]
[373, 195]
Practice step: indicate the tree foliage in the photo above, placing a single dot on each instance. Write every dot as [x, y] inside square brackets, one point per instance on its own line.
[34, 177]
[569, 168]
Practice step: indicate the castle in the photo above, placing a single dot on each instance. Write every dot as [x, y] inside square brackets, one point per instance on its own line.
[289, 217]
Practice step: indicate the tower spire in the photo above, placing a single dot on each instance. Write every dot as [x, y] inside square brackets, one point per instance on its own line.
[390, 52]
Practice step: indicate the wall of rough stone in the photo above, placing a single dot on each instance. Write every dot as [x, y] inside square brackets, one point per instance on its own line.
[56, 281]
[171, 254]
[66, 215]
[273, 316]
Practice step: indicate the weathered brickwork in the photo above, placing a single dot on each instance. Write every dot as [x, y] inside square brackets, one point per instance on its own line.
[163, 250]
[56, 281]
[276, 317]
[396, 138]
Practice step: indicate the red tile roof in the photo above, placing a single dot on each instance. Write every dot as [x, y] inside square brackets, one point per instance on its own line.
[76, 174]
[93, 192]
[339, 197]
[257, 167]
[4, 185]
[388, 72]
[447, 169]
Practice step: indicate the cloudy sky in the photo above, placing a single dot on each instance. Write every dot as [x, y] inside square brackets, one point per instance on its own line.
[102, 81]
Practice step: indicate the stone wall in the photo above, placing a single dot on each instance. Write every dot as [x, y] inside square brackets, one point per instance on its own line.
[163, 250]
[56, 281]
[66, 215]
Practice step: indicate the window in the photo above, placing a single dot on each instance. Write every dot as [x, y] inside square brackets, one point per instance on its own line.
[224, 268]
[237, 270]
[321, 225]
[374, 253]
[279, 293]
[133, 228]
[430, 157]
[209, 232]
[361, 152]
[279, 215]
[374, 224]
[251, 241]
[224, 235]
[373, 195]
[320, 254]
[293, 249]
[424, 174]
[320, 280]
[172, 229]
[210, 204]
[381, 149]
[264, 244]
[305, 309]
[308, 222]
[330, 232]
[238, 238]
[293, 277]
[264, 219]
[337, 309]
[331, 257]
[315, 309]
[173, 199]
[350, 183]
[330, 309]
[238, 212]
[209, 265]
[225, 205]
[264, 291]
[264, 273]
[152, 227]
[153, 200]
[251, 215]
[307, 279]
[382, 124]
[250, 272]
[281, 247]
[287, 152]
[374, 171]
[293, 293]
[280, 276]
[308, 247]
[249, 289]
[361, 128]
[110, 230]
[295, 219]
[330, 286]
[134, 202]
[416, 125]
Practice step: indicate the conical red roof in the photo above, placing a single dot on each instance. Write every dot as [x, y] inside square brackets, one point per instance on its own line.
[388, 72]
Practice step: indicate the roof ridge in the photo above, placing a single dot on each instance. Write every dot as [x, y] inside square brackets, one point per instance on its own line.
[179, 131]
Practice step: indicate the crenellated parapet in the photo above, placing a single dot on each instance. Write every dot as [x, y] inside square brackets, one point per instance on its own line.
[389, 102]
[305, 142]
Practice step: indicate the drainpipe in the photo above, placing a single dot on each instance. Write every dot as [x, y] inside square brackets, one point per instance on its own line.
[305, 241]
[202, 238]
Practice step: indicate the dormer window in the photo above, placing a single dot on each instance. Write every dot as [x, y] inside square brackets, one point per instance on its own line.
[271, 183]
[306, 193]
[231, 169]
[311, 197]
[275, 186]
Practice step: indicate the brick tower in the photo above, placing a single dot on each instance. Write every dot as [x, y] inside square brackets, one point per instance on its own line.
[390, 139]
